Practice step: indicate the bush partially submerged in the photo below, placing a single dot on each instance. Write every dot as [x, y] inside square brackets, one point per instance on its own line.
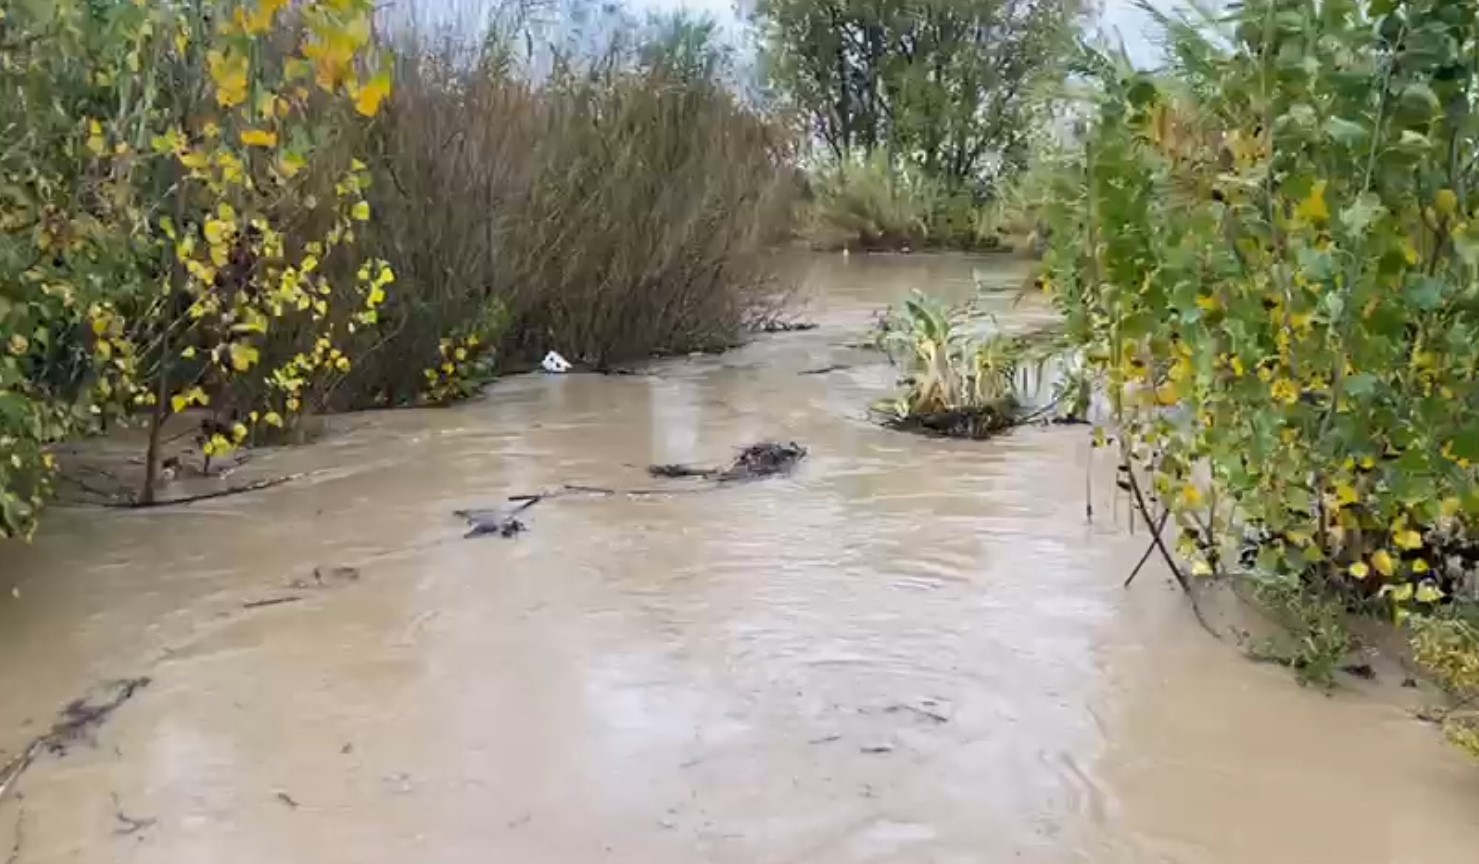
[958, 381]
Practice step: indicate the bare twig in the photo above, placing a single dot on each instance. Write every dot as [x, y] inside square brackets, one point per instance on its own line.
[1160, 526]
[271, 601]
[1158, 543]
[1155, 538]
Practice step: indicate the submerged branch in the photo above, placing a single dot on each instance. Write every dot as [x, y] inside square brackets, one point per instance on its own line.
[256, 486]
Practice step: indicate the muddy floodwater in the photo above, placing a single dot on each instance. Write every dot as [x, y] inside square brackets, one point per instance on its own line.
[909, 650]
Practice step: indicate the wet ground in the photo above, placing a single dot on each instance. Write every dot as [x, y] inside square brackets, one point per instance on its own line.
[910, 650]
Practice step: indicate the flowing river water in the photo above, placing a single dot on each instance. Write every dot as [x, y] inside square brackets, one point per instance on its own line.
[911, 650]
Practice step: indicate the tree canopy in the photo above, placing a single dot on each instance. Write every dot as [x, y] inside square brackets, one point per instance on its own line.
[941, 85]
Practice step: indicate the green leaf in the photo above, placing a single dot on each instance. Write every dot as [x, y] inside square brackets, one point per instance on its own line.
[1420, 93]
[1360, 384]
[1414, 140]
[1365, 210]
[1345, 132]
[1426, 293]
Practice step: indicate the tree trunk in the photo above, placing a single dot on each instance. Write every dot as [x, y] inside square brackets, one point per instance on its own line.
[156, 428]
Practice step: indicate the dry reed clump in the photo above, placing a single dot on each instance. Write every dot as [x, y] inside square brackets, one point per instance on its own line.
[608, 210]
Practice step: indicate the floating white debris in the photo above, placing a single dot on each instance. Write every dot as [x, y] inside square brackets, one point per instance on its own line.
[553, 362]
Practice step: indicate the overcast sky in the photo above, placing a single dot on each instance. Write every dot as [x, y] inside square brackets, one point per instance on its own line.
[1121, 17]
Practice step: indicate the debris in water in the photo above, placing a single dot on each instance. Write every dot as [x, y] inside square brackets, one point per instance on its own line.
[270, 601]
[503, 522]
[927, 712]
[554, 363]
[877, 748]
[487, 523]
[288, 800]
[823, 370]
[825, 739]
[76, 722]
[766, 459]
[777, 325]
[127, 825]
[335, 574]
[678, 471]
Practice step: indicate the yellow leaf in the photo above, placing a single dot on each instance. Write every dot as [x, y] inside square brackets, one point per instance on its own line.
[1408, 539]
[258, 138]
[229, 72]
[243, 356]
[1383, 563]
[1345, 494]
[1429, 593]
[1201, 568]
[1313, 208]
[1360, 570]
[272, 418]
[1420, 565]
[95, 140]
[1446, 202]
[239, 431]
[178, 403]
[367, 98]
[360, 211]
[1191, 496]
[1450, 507]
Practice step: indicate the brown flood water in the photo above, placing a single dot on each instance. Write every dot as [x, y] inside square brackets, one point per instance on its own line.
[909, 651]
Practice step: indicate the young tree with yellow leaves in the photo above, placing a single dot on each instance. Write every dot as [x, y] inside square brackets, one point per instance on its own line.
[195, 221]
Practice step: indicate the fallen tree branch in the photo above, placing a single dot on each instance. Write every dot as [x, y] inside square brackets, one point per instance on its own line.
[271, 601]
[256, 486]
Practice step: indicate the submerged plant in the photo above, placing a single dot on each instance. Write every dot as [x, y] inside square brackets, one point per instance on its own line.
[951, 368]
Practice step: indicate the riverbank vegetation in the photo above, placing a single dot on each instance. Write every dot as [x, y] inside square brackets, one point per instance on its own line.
[234, 215]
[921, 112]
[1267, 254]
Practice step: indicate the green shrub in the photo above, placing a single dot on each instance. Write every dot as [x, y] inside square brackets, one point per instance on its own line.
[1271, 265]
